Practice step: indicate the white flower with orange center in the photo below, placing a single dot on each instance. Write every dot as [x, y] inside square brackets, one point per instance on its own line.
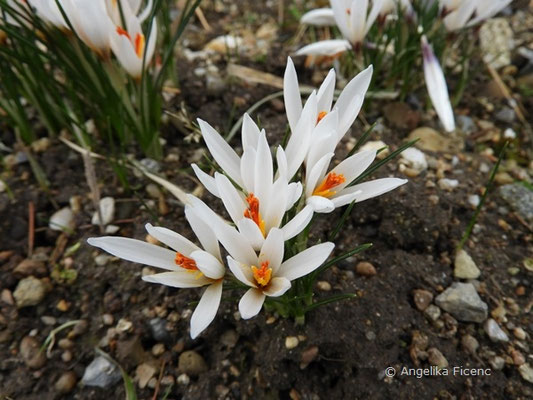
[91, 23]
[264, 197]
[187, 264]
[130, 46]
[268, 275]
[320, 117]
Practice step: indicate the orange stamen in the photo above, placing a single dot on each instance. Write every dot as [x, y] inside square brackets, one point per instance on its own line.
[139, 44]
[321, 115]
[185, 262]
[253, 212]
[331, 181]
[262, 275]
[123, 32]
[348, 11]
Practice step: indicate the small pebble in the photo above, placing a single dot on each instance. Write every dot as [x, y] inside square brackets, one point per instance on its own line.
[158, 349]
[191, 363]
[436, 358]
[519, 333]
[65, 344]
[308, 356]
[30, 351]
[66, 356]
[47, 320]
[144, 373]
[66, 382]
[465, 267]
[107, 210]
[432, 312]
[364, 268]
[497, 362]
[448, 184]
[168, 380]
[474, 200]
[107, 319]
[324, 286]
[102, 259]
[63, 305]
[62, 220]
[422, 298]
[30, 291]
[123, 325]
[7, 297]
[291, 342]
[470, 344]
[495, 333]
[526, 371]
[518, 358]
[184, 379]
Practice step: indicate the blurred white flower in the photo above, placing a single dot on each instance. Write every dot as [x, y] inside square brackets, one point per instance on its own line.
[267, 275]
[188, 265]
[466, 13]
[91, 23]
[49, 11]
[128, 6]
[130, 47]
[436, 85]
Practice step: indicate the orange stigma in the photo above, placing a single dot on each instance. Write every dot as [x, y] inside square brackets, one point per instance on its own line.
[262, 275]
[123, 32]
[185, 262]
[321, 115]
[348, 11]
[139, 44]
[253, 212]
[331, 181]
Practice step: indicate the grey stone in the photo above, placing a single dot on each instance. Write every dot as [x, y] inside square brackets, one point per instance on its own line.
[62, 220]
[101, 373]
[107, 209]
[158, 327]
[520, 199]
[465, 124]
[462, 301]
[506, 114]
[495, 333]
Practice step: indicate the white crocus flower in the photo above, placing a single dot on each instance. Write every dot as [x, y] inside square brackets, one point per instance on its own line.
[133, 6]
[188, 265]
[91, 23]
[436, 85]
[466, 13]
[351, 18]
[267, 275]
[49, 11]
[249, 170]
[130, 47]
[326, 191]
[308, 123]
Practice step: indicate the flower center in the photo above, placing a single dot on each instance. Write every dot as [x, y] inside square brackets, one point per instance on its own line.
[185, 262]
[139, 42]
[331, 181]
[321, 115]
[253, 212]
[262, 275]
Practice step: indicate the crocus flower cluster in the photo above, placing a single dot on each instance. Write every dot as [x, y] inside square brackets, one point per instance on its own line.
[105, 26]
[269, 201]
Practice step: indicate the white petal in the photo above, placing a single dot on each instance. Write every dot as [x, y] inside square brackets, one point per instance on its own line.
[358, 28]
[221, 151]
[203, 231]
[354, 166]
[319, 16]
[248, 168]
[351, 99]
[277, 204]
[250, 132]
[208, 264]
[317, 174]
[251, 232]
[324, 48]
[263, 169]
[178, 279]
[306, 262]
[320, 204]
[373, 14]
[325, 92]
[234, 203]
[368, 190]
[294, 192]
[137, 251]
[437, 89]
[206, 180]
[207, 308]
[172, 239]
[342, 17]
[277, 287]
[251, 303]
[298, 144]
[242, 272]
[291, 95]
[298, 223]
[458, 18]
[281, 160]
[273, 250]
